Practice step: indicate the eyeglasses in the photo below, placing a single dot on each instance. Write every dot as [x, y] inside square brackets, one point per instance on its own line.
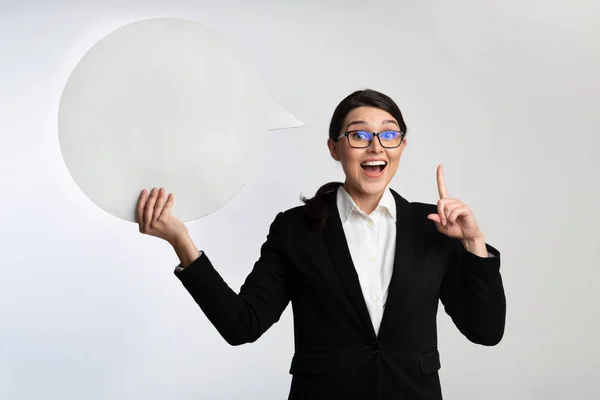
[363, 139]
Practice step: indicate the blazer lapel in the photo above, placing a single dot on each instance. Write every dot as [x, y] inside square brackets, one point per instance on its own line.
[405, 260]
[337, 245]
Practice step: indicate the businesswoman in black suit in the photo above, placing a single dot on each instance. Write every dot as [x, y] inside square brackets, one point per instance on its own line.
[363, 268]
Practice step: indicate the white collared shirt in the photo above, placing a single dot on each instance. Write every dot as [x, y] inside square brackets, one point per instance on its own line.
[372, 244]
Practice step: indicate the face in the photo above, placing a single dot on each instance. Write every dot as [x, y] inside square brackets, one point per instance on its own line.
[363, 180]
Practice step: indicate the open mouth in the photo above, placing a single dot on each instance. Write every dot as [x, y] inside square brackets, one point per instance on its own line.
[374, 167]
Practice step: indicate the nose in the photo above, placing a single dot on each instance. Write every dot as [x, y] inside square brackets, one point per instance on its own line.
[375, 146]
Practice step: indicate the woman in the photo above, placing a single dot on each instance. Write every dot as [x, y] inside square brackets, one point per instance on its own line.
[363, 268]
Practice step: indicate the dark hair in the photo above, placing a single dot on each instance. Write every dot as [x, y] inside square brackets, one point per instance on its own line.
[316, 208]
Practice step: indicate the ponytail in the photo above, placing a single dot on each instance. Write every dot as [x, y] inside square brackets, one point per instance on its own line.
[315, 209]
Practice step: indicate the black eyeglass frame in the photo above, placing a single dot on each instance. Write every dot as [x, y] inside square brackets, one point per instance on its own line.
[374, 134]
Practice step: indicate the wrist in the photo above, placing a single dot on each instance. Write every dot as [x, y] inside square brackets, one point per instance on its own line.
[179, 239]
[476, 245]
[186, 250]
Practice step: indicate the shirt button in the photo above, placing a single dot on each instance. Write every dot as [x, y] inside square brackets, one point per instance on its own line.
[375, 299]
[373, 258]
[370, 224]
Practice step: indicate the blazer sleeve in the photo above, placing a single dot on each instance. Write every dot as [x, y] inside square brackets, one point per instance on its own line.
[473, 295]
[244, 317]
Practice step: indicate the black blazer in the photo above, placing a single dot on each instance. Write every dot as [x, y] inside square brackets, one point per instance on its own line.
[337, 354]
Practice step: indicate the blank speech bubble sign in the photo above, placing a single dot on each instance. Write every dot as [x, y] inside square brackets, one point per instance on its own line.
[165, 102]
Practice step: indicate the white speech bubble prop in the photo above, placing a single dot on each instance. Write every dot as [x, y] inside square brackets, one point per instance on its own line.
[168, 103]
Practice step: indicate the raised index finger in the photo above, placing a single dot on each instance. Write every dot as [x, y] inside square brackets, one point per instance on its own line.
[441, 184]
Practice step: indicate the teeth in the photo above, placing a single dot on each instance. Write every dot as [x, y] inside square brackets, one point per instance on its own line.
[373, 163]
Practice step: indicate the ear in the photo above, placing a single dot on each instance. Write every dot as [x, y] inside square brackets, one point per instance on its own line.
[333, 149]
[403, 146]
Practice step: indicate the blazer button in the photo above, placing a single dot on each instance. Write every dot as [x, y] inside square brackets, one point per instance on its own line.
[374, 347]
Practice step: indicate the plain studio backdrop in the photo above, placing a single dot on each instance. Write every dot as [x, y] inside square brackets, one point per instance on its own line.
[503, 94]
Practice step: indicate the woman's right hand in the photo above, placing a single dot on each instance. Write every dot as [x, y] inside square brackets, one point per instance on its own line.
[155, 219]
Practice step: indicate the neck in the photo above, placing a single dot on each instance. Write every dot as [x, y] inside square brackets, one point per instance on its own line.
[364, 201]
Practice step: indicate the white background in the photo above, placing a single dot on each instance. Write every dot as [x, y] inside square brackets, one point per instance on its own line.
[503, 94]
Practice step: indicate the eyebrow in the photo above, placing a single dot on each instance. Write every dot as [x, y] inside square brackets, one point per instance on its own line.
[358, 122]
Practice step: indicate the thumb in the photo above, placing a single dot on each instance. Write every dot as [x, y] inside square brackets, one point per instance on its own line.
[435, 218]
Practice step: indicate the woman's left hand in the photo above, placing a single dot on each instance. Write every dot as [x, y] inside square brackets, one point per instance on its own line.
[454, 218]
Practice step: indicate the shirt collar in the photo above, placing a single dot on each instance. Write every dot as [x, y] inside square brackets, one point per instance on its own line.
[388, 201]
[346, 204]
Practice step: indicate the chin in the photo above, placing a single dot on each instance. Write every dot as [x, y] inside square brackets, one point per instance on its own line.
[373, 188]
